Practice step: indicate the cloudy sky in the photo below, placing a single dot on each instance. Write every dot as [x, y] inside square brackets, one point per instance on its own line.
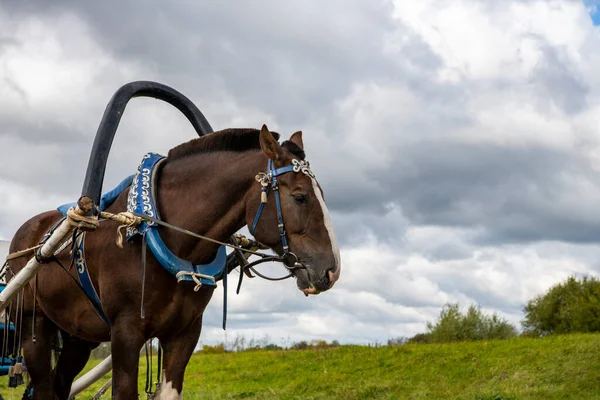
[457, 142]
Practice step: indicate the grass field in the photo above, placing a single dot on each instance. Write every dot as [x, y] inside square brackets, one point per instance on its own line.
[560, 367]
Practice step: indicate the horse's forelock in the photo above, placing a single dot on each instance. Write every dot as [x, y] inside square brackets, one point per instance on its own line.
[294, 149]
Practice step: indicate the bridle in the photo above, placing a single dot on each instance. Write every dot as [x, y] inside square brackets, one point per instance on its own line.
[268, 180]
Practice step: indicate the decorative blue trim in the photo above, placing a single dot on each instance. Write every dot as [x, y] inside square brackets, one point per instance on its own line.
[140, 197]
[141, 200]
[84, 277]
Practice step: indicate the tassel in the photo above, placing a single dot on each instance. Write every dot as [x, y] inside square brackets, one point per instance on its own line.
[18, 373]
[12, 381]
[263, 196]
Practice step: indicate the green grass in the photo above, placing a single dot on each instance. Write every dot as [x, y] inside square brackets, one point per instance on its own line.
[560, 367]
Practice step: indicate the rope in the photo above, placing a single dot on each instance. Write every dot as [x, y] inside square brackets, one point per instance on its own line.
[74, 218]
[81, 221]
[196, 235]
[195, 276]
[126, 219]
[129, 219]
[22, 253]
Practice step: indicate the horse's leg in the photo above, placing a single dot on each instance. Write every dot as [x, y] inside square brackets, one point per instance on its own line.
[177, 352]
[126, 342]
[38, 354]
[73, 357]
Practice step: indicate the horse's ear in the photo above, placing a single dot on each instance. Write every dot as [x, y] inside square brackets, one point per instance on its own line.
[296, 138]
[269, 144]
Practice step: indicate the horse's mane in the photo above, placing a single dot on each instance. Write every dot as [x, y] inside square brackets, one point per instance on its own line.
[234, 139]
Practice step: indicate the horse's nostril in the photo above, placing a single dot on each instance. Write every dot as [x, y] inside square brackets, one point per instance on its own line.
[328, 275]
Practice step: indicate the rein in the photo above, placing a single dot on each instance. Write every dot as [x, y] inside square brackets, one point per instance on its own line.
[246, 266]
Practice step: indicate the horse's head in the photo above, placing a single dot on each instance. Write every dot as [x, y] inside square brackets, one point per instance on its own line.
[290, 216]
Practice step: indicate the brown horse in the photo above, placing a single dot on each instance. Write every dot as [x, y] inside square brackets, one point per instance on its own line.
[207, 186]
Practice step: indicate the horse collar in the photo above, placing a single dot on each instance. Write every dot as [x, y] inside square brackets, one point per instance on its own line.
[142, 200]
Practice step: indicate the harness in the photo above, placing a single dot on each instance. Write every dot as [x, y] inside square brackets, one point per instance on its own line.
[269, 180]
[141, 202]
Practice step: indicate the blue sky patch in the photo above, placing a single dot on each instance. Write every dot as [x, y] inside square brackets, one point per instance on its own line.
[594, 10]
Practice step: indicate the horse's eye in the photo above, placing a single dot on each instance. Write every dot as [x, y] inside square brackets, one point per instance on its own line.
[300, 198]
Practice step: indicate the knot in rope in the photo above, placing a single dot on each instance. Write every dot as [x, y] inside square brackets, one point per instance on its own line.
[126, 219]
[248, 244]
[81, 221]
[195, 277]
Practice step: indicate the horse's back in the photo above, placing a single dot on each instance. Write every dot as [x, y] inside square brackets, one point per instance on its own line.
[29, 235]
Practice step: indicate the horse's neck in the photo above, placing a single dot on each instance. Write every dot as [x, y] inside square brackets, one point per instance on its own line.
[205, 194]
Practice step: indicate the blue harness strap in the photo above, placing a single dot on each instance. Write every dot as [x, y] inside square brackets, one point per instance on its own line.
[84, 276]
[106, 200]
[271, 178]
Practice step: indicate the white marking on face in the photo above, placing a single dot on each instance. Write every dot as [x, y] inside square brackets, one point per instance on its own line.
[329, 226]
[167, 391]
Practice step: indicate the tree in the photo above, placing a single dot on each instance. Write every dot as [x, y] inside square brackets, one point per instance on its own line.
[570, 306]
[453, 326]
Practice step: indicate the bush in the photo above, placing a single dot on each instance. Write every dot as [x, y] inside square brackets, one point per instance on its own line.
[272, 346]
[571, 306]
[420, 338]
[453, 326]
[302, 345]
[219, 348]
[314, 344]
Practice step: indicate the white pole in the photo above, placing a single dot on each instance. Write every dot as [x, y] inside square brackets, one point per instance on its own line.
[28, 272]
[92, 376]
[58, 237]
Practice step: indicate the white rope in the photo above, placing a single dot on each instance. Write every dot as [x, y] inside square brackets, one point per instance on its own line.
[195, 276]
[126, 219]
